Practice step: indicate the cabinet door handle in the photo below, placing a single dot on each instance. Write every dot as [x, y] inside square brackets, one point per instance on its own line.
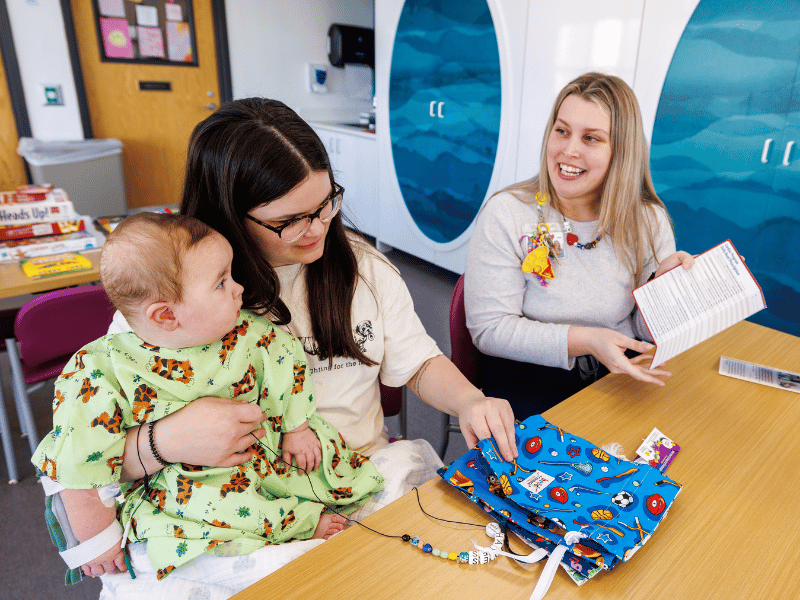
[765, 151]
[433, 103]
[439, 110]
[787, 153]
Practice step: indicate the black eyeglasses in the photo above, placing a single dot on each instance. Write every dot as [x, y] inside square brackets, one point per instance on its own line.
[296, 228]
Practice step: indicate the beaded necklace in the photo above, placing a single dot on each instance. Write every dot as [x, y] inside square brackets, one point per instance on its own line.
[572, 239]
[481, 555]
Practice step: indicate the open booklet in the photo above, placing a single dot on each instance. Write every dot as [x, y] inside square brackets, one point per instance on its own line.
[683, 308]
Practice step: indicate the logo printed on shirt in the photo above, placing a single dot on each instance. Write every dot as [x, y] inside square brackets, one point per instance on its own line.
[361, 335]
[363, 332]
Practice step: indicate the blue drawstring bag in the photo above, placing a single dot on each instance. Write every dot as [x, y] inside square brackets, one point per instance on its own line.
[587, 508]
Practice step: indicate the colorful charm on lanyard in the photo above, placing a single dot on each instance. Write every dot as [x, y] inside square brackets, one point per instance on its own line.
[539, 249]
[538, 261]
[541, 200]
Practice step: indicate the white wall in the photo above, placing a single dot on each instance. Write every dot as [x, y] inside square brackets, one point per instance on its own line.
[41, 46]
[271, 44]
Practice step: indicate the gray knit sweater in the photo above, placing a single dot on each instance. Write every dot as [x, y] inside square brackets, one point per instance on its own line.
[511, 315]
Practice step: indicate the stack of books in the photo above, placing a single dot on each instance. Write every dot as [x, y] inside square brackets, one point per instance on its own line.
[39, 221]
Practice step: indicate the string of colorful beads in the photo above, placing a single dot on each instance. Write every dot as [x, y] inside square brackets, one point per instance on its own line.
[572, 239]
[473, 557]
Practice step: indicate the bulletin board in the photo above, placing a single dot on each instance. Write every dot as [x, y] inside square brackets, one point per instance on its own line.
[153, 32]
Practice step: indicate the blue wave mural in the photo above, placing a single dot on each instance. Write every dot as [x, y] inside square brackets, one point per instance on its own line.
[732, 85]
[445, 51]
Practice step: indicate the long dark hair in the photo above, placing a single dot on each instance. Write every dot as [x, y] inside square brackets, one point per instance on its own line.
[247, 154]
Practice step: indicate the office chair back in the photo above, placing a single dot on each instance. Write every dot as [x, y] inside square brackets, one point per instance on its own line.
[52, 327]
[463, 352]
[48, 330]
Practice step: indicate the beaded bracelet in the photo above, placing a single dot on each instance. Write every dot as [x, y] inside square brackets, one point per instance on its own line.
[153, 449]
[473, 557]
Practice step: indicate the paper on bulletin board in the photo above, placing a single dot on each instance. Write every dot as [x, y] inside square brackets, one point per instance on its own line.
[151, 42]
[116, 38]
[174, 12]
[112, 8]
[146, 16]
[179, 42]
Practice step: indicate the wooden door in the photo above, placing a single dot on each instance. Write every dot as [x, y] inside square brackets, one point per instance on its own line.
[154, 126]
[12, 167]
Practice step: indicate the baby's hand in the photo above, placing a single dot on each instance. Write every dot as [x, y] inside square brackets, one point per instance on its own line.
[111, 561]
[303, 444]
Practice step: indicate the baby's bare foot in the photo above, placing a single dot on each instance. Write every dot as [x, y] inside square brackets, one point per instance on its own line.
[329, 525]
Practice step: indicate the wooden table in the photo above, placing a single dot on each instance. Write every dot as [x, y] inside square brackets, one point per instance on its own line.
[13, 282]
[733, 532]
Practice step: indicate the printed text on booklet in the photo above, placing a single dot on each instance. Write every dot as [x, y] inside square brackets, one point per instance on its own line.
[683, 308]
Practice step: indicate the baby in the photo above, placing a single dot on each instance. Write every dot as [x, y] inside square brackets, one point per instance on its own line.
[170, 276]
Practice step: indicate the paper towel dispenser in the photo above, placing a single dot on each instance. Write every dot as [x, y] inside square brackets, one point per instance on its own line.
[351, 44]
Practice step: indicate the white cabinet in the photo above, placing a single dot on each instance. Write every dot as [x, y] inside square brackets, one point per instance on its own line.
[447, 88]
[593, 35]
[463, 90]
[354, 160]
[718, 83]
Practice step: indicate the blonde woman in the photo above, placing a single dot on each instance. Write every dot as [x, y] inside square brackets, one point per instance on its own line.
[553, 259]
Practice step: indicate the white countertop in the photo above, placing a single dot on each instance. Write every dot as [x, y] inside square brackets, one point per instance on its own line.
[341, 127]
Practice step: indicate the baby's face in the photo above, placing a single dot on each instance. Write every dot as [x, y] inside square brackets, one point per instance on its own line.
[211, 298]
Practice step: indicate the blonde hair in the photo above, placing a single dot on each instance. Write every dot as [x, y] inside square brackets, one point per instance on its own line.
[628, 199]
[142, 258]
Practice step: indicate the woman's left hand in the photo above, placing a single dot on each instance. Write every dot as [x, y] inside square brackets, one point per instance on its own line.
[609, 346]
[489, 417]
[673, 260]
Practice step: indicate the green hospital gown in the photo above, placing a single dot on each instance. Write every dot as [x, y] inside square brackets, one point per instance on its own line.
[120, 381]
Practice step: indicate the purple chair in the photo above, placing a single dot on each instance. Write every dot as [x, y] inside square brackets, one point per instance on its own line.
[7, 317]
[48, 330]
[463, 353]
[393, 401]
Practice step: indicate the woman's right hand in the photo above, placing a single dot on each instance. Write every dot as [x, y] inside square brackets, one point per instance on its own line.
[210, 432]
[608, 346]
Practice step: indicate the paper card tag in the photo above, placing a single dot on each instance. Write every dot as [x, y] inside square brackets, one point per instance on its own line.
[557, 236]
[657, 450]
[537, 481]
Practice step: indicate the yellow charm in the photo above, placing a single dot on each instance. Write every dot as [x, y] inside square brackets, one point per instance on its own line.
[538, 263]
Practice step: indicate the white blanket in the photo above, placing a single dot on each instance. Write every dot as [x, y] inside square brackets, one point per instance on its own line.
[403, 464]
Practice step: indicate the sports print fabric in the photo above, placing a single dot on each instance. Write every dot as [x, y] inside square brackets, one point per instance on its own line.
[561, 483]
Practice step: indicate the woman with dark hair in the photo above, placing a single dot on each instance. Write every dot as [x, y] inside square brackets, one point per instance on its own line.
[260, 175]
